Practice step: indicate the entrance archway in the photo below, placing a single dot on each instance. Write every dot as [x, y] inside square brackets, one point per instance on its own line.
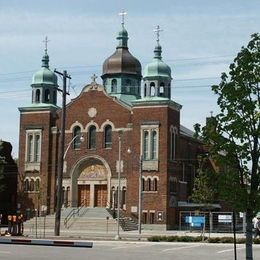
[90, 182]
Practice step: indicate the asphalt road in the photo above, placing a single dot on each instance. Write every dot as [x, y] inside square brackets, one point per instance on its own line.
[111, 250]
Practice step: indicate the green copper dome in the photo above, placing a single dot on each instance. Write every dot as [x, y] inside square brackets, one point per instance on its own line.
[157, 68]
[44, 75]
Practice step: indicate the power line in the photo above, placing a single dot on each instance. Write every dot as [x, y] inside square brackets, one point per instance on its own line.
[93, 66]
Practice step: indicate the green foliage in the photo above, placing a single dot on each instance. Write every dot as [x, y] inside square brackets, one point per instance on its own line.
[176, 238]
[204, 190]
[233, 135]
[2, 163]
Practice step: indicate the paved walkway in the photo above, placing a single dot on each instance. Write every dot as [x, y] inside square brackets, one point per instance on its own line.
[124, 235]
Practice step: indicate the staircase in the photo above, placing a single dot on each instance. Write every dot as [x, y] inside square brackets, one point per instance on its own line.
[126, 223]
[74, 222]
[77, 222]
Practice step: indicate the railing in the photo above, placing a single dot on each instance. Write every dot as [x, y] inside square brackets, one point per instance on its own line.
[73, 212]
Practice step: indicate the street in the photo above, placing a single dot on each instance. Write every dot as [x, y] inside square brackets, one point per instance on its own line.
[112, 250]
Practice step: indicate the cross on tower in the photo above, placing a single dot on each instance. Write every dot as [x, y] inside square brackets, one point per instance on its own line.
[158, 30]
[46, 43]
[123, 14]
[94, 77]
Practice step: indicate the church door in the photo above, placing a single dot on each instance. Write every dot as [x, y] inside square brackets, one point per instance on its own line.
[100, 195]
[84, 195]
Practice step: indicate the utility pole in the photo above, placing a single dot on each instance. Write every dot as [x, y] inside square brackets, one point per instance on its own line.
[65, 76]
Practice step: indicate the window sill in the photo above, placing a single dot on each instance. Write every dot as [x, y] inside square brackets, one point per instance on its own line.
[32, 166]
[151, 165]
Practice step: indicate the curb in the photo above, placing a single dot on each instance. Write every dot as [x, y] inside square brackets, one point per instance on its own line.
[47, 242]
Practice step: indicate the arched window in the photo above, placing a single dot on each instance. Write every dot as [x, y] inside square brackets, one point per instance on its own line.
[76, 135]
[54, 97]
[37, 147]
[155, 182]
[128, 85]
[92, 137]
[161, 90]
[37, 96]
[32, 185]
[173, 184]
[30, 148]
[37, 185]
[26, 185]
[146, 141]
[152, 89]
[145, 90]
[143, 184]
[68, 197]
[108, 136]
[47, 96]
[173, 143]
[149, 186]
[114, 86]
[154, 145]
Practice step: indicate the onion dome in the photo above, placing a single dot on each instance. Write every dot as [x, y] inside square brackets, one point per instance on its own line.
[122, 61]
[44, 76]
[157, 68]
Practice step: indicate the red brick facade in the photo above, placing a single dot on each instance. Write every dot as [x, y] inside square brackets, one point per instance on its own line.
[94, 107]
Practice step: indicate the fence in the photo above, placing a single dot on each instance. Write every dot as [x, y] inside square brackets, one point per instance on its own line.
[211, 221]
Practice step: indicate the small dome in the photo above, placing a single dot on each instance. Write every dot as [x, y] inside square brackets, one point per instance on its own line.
[157, 68]
[45, 75]
[122, 61]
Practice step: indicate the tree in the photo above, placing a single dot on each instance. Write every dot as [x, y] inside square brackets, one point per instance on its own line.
[2, 163]
[204, 189]
[233, 136]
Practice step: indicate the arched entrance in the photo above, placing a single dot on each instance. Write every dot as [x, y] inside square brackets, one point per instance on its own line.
[90, 181]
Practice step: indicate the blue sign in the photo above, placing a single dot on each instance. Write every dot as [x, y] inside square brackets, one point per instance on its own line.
[195, 221]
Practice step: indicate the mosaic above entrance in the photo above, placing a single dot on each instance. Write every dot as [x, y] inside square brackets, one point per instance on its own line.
[93, 172]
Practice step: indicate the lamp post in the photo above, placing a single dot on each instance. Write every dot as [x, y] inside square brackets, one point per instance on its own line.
[59, 184]
[139, 192]
[117, 237]
[140, 195]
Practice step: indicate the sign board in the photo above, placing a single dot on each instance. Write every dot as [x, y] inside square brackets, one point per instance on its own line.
[224, 218]
[195, 221]
[134, 209]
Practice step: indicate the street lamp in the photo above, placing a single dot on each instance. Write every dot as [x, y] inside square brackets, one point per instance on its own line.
[139, 192]
[117, 237]
[59, 185]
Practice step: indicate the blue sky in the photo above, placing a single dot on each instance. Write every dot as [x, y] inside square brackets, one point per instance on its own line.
[200, 39]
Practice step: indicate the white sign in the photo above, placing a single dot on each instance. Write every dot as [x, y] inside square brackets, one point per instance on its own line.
[224, 218]
[134, 209]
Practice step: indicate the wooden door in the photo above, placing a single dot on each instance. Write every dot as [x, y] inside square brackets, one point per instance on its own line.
[84, 195]
[100, 196]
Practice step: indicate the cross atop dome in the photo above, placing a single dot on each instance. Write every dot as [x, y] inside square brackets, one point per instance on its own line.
[94, 77]
[157, 30]
[123, 14]
[46, 44]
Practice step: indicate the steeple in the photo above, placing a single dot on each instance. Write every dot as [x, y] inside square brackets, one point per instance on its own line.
[44, 82]
[123, 34]
[122, 71]
[157, 74]
[45, 58]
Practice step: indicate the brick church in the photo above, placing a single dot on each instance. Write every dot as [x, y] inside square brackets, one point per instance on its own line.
[128, 122]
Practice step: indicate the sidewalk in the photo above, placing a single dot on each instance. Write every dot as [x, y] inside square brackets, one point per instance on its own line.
[124, 235]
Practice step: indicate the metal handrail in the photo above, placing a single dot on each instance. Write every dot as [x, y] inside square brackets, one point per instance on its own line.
[74, 212]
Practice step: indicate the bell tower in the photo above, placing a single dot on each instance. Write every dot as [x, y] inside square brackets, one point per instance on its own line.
[157, 74]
